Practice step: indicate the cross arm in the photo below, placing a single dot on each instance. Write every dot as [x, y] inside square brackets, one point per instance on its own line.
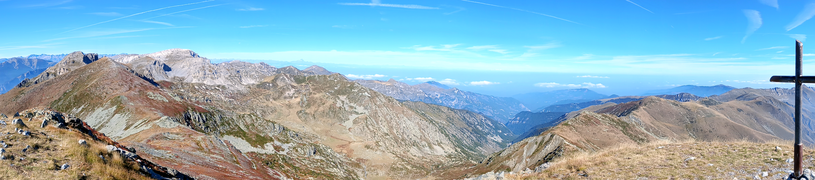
[804, 79]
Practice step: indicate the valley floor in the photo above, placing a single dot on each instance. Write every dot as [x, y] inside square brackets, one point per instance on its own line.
[677, 160]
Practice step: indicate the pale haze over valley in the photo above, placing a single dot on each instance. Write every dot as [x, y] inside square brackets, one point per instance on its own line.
[500, 48]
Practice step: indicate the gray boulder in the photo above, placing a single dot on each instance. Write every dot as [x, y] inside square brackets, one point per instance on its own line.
[17, 121]
[64, 166]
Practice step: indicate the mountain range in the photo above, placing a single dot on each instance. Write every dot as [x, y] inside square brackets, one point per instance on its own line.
[757, 115]
[702, 91]
[15, 70]
[498, 108]
[539, 100]
[253, 121]
[175, 114]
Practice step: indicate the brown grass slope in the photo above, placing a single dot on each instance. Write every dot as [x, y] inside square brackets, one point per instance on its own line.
[677, 160]
[648, 120]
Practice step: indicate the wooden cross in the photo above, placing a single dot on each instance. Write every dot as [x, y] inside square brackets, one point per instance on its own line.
[798, 79]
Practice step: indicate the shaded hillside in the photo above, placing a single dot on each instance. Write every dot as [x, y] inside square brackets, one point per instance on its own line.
[15, 70]
[539, 100]
[499, 108]
[524, 121]
[238, 120]
[703, 91]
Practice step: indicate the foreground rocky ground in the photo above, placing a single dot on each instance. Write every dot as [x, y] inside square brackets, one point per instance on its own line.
[673, 160]
[44, 144]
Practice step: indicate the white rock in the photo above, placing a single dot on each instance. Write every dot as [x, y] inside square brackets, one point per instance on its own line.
[777, 148]
[764, 174]
[82, 142]
[64, 166]
[111, 148]
[17, 121]
[690, 158]
[44, 123]
[790, 160]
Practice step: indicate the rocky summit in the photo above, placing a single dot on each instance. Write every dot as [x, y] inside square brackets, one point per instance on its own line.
[238, 120]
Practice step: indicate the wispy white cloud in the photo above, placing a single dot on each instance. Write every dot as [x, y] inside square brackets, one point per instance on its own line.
[49, 3]
[714, 54]
[484, 47]
[375, 3]
[584, 57]
[590, 76]
[774, 47]
[753, 22]
[712, 38]
[444, 47]
[533, 12]
[483, 83]
[250, 9]
[41, 46]
[640, 6]
[449, 81]
[502, 51]
[422, 79]
[372, 76]
[69, 7]
[771, 3]
[456, 11]
[106, 14]
[109, 32]
[556, 85]
[801, 37]
[803, 16]
[136, 14]
[253, 26]
[193, 9]
[157, 22]
[491, 48]
[343, 26]
[545, 46]
[779, 52]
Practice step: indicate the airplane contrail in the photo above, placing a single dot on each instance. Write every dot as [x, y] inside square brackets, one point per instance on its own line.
[135, 15]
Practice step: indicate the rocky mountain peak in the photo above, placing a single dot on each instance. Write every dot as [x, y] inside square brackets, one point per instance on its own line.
[318, 70]
[174, 53]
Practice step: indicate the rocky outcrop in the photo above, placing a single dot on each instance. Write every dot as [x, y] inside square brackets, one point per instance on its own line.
[69, 63]
[317, 70]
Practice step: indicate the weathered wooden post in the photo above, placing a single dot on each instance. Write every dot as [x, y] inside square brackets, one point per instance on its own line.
[798, 79]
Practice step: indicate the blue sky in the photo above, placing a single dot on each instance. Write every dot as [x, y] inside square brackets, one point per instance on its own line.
[502, 48]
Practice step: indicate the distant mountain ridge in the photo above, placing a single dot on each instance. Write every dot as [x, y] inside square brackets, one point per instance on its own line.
[702, 91]
[499, 108]
[539, 100]
[15, 70]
